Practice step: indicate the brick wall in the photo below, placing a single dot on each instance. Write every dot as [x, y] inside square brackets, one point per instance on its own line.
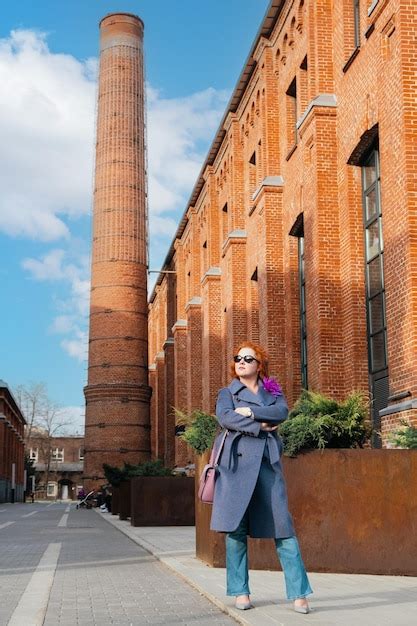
[12, 447]
[284, 151]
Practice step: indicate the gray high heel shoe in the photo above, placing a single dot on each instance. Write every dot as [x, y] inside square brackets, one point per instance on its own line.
[302, 609]
[243, 606]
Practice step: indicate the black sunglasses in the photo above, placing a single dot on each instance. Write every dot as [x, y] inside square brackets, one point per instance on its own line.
[247, 358]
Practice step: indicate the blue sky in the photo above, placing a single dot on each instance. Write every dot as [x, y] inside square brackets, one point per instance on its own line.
[48, 64]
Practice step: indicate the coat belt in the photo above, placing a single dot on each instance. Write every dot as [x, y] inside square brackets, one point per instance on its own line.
[271, 442]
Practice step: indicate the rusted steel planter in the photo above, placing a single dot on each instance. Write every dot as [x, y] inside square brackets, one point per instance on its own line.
[162, 501]
[209, 545]
[115, 500]
[355, 511]
[125, 500]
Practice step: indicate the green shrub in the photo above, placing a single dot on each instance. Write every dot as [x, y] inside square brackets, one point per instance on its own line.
[200, 429]
[317, 421]
[405, 436]
[116, 475]
[149, 468]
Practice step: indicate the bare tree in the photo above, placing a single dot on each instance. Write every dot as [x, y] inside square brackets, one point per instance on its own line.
[51, 423]
[32, 400]
[45, 420]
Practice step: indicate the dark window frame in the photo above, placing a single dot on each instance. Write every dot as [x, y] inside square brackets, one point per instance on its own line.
[372, 295]
[376, 337]
[302, 313]
[298, 231]
[356, 23]
[291, 94]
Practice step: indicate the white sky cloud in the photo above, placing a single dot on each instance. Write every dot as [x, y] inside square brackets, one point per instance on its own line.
[74, 416]
[77, 346]
[48, 268]
[47, 108]
[56, 265]
[176, 129]
[47, 131]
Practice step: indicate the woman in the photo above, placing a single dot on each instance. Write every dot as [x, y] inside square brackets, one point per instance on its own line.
[250, 496]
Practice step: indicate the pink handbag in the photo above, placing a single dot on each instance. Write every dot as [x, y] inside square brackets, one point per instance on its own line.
[209, 475]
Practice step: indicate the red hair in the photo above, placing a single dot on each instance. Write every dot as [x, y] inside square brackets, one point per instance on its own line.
[260, 353]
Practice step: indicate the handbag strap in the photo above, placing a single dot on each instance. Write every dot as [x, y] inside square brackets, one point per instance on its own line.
[219, 451]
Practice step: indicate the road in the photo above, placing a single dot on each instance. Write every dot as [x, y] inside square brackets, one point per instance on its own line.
[65, 567]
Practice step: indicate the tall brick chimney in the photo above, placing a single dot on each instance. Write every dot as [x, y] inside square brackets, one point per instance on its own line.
[117, 393]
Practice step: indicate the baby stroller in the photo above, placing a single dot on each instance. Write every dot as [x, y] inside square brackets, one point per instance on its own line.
[86, 502]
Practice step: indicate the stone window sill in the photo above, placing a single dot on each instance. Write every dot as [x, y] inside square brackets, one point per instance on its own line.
[291, 152]
[351, 59]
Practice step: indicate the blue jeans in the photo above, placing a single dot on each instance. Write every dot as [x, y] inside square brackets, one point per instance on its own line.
[288, 551]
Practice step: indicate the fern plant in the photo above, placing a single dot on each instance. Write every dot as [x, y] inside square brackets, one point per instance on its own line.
[317, 421]
[199, 429]
[405, 436]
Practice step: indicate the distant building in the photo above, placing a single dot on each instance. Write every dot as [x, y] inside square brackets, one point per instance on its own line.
[59, 463]
[12, 447]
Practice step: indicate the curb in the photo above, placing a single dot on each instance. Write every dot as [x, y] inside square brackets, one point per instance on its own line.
[175, 567]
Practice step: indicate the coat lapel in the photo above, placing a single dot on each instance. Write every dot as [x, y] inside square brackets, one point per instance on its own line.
[267, 397]
[262, 398]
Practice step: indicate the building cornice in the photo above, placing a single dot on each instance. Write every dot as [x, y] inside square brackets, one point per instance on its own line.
[195, 302]
[265, 30]
[213, 273]
[179, 325]
[269, 181]
[399, 408]
[236, 236]
[322, 100]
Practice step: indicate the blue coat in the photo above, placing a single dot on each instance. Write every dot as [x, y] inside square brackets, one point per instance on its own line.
[250, 474]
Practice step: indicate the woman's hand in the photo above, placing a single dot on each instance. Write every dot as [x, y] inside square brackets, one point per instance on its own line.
[268, 427]
[245, 411]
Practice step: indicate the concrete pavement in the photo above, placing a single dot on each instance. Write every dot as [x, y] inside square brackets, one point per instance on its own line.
[65, 567]
[338, 599]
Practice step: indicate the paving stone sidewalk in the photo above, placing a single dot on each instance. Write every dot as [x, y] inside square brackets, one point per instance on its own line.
[338, 599]
[100, 577]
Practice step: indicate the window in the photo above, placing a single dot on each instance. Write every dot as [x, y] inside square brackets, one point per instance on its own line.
[356, 24]
[34, 454]
[205, 257]
[372, 6]
[225, 224]
[188, 286]
[374, 250]
[57, 454]
[351, 31]
[303, 85]
[52, 489]
[298, 231]
[292, 114]
[259, 165]
[252, 174]
[303, 324]
[254, 307]
[375, 289]
[81, 454]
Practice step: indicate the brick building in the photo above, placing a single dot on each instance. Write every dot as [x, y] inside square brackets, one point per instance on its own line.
[12, 447]
[59, 463]
[300, 232]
